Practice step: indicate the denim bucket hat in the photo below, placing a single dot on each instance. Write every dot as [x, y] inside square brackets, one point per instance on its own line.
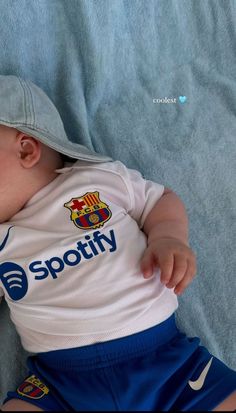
[26, 107]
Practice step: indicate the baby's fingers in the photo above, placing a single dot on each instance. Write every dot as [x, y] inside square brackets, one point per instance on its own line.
[166, 264]
[179, 270]
[188, 277]
[147, 263]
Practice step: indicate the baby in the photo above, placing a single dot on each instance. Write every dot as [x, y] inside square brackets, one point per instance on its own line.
[93, 257]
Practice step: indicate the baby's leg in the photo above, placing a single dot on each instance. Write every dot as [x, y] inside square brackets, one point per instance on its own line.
[17, 405]
[229, 404]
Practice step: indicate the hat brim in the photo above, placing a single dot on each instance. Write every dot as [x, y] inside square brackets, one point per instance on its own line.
[71, 149]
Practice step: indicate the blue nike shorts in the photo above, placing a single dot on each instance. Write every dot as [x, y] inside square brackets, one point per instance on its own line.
[157, 369]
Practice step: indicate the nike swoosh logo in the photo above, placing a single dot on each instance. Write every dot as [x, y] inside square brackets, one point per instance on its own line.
[197, 384]
[5, 239]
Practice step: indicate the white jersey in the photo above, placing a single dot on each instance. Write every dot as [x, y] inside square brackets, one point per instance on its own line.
[70, 260]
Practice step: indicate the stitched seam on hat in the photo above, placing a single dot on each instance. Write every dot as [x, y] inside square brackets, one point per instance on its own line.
[32, 103]
[50, 135]
[31, 108]
[24, 100]
[27, 95]
[28, 125]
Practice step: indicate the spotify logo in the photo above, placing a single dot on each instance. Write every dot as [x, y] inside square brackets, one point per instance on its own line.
[14, 280]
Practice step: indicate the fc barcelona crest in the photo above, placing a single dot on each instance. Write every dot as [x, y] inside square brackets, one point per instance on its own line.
[88, 211]
[33, 388]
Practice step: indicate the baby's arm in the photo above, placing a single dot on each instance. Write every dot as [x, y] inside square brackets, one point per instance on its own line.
[166, 227]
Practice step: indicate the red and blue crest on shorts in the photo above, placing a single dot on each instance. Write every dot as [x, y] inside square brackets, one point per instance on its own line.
[33, 388]
[88, 211]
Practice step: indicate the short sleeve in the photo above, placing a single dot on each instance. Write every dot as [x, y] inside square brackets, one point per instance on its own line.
[143, 193]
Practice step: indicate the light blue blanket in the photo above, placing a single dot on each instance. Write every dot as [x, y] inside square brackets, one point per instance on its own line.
[110, 67]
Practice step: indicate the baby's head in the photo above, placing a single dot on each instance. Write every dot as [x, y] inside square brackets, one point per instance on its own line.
[34, 125]
[26, 166]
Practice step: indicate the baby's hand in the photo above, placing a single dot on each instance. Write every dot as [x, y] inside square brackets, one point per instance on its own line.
[176, 261]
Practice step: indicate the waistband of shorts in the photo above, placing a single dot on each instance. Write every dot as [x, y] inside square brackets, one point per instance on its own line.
[110, 352]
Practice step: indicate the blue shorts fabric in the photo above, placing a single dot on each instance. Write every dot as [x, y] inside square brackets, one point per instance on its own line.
[157, 369]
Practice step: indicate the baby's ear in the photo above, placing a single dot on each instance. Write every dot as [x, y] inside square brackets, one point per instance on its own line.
[28, 150]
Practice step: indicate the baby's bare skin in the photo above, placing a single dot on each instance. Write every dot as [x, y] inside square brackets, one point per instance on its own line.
[26, 166]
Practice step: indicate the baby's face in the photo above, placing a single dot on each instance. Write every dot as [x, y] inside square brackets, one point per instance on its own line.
[10, 178]
[8, 159]
[26, 166]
